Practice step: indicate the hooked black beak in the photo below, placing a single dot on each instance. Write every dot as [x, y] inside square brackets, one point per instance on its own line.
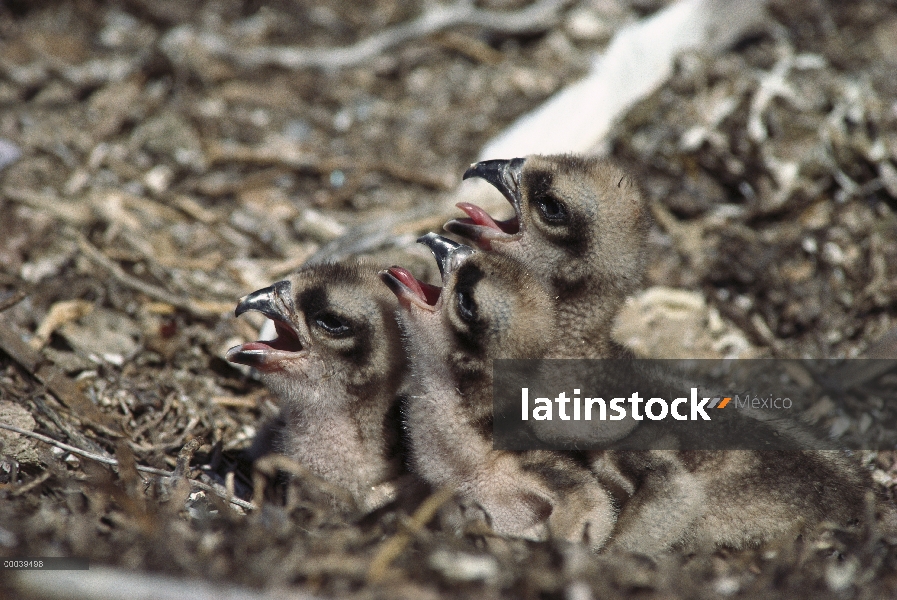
[449, 255]
[275, 302]
[504, 175]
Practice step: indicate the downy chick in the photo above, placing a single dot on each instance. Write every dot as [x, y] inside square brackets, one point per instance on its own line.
[702, 500]
[336, 366]
[580, 224]
[489, 307]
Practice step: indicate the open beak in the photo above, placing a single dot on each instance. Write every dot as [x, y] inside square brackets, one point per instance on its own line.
[276, 303]
[270, 301]
[479, 227]
[449, 255]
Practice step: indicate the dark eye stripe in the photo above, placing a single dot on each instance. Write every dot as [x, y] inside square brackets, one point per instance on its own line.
[575, 241]
[573, 237]
[359, 354]
[470, 338]
[469, 276]
[314, 301]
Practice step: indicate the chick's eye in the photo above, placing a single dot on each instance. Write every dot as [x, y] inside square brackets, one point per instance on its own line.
[333, 324]
[551, 209]
[467, 308]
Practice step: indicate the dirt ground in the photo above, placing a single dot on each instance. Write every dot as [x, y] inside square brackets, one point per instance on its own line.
[155, 166]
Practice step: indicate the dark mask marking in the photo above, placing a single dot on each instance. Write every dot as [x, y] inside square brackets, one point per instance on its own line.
[573, 237]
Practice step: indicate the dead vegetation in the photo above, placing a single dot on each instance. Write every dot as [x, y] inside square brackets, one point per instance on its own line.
[158, 160]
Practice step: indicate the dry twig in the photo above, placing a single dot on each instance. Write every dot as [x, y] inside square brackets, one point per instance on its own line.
[60, 314]
[536, 17]
[286, 154]
[113, 462]
[74, 213]
[50, 375]
[268, 466]
[11, 300]
[470, 47]
[196, 307]
[392, 547]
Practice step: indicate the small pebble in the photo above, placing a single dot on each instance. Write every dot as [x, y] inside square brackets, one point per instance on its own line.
[9, 153]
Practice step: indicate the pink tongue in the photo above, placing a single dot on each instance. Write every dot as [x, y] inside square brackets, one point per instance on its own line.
[410, 282]
[250, 346]
[478, 215]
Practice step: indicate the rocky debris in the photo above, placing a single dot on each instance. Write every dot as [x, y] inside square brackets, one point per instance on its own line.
[16, 447]
[668, 323]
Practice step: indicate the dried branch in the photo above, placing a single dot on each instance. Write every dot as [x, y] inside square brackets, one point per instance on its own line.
[34, 483]
[470, 47]
[536, 17]
[11, 300]
[391, 548]
[269, 465]
[186, 455]
[74, 213]
[113, 462]
[280, 152]
[196, 307]
[60, 313]
[394, 230]
[59, 384]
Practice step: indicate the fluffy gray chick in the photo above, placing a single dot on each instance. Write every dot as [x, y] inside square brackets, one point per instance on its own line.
[336, 365]
[489, 307]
